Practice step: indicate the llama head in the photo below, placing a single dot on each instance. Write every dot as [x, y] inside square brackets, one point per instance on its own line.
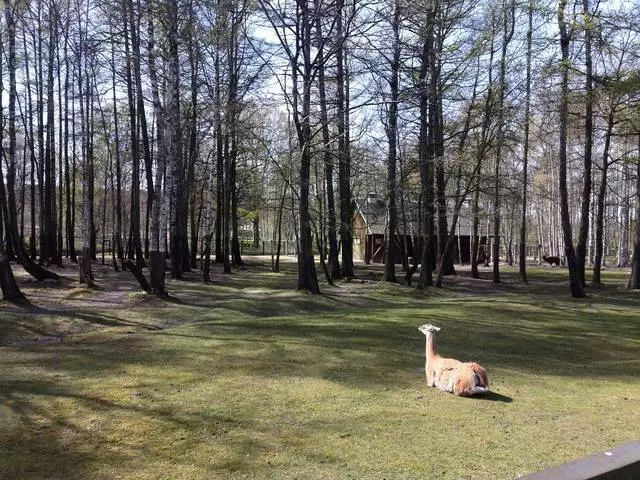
[427, 328]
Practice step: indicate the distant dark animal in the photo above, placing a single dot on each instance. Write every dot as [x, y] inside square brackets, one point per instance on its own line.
[551, 260]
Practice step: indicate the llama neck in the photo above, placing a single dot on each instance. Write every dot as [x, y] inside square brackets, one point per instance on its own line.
[431, 346]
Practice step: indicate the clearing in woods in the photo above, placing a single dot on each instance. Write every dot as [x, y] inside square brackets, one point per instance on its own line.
[247, 378]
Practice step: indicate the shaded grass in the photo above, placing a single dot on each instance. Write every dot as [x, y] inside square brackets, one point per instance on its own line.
[244, 378]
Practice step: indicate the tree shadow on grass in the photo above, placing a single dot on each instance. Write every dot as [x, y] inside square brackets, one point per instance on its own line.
[36, 440]
[369, 344]
[54, 430]
[503, 336]
[42, 325]
[369, 348]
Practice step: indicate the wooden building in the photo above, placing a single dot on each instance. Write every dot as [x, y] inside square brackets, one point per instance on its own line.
[369, 229]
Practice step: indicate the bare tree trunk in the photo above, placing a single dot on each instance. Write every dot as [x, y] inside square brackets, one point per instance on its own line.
[475, 238]
[508, 30]
[117, 232]
[41, 159]
[32, 159]
[525, 160]
[23, 190]
[577, 289]
[307, 278]
[392, 138]
[10, 290]
[11, 223]
[634, 279]
[460, 195]
[581, 248]
[90, 88]
[175, 138]
[61, 137]
[334, 263]
[623, 218]
[219, 163]
[276, 267]
[135, 241]
[193, 148]
[344, 156]
[256, 229]
[72, 245]
[157, 229]
[86, 274]
[599, 260]
[51, 216]
[233, 114]
[104, 204]
[235, 239]
[226, 219]
[142, 116]
[406, 239]
[208, 231]
[426, 149]
[437, 125]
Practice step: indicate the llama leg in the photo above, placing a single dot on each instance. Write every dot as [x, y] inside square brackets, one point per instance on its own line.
[430, 377]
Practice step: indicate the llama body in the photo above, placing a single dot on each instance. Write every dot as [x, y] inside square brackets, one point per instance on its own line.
[551, 260]
[450, 375]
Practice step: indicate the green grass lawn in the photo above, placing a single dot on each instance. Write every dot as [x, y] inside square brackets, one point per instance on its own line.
[246, 378]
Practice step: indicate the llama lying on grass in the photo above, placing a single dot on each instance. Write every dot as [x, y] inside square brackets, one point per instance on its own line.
[463, 379]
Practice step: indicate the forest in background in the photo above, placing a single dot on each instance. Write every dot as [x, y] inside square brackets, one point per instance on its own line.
[174, 130]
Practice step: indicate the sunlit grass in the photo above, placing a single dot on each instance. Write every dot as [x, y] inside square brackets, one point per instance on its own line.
[248, 379]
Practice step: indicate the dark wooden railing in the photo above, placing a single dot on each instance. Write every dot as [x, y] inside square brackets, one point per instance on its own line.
[620, 463]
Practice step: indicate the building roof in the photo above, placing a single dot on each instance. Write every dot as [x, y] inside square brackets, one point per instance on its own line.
[374, 213]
